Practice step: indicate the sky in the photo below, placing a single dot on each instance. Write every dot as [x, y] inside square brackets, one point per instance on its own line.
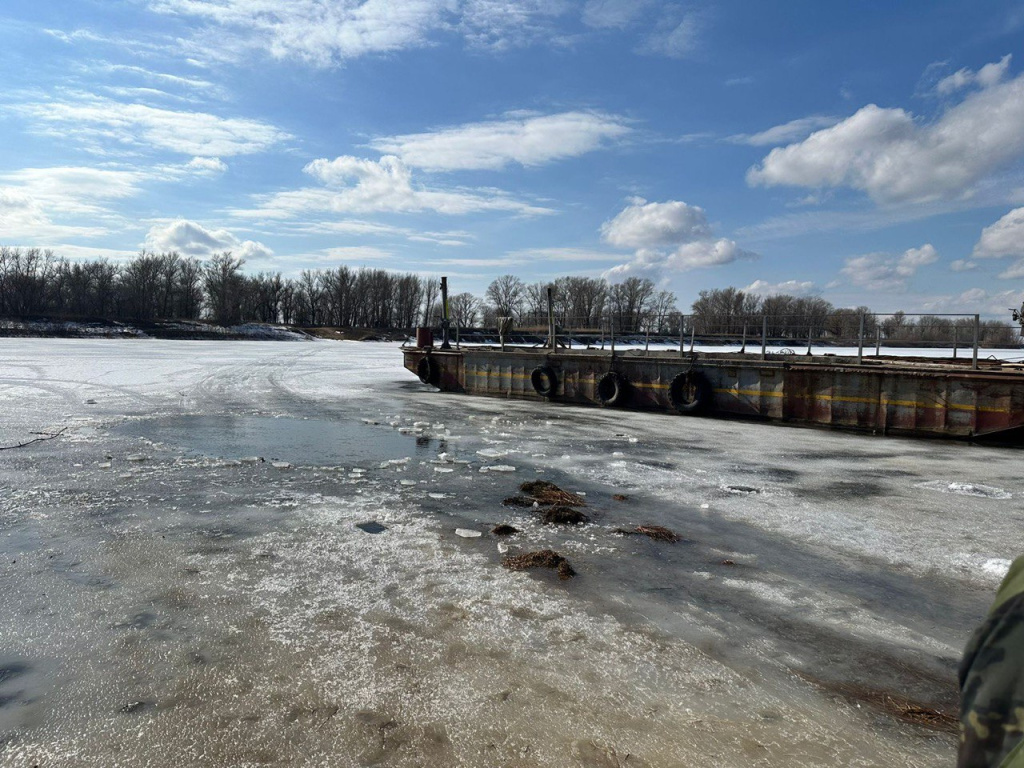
[866, 152]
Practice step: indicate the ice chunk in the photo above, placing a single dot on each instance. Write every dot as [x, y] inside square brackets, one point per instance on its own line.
[136, 457]
[443, 469]
[498, 468]
[407, 482]
[104, 465]
[996, 566]
[280, 465]
[491, 453]
[468, 533]
[966, 489]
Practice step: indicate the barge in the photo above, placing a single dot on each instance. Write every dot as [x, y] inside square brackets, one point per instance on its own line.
[883, 396]
[970, 399]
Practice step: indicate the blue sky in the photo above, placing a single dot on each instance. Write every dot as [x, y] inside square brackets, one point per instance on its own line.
[866, 152]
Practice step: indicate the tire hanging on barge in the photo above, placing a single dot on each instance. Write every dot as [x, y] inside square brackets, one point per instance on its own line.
[690, 392]
[612, 389]
[428, 370]
[544, 381]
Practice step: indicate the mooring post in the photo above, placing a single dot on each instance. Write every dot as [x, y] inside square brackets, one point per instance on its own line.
[955, 335]
[647, 341]
[552, 340]
[682, 338]
[810, 335]
[878, 341]
[764, 336]
[860, 341]
[743, 342]
[445, 322]
[693, 334]
[611, 334]
[977, 331]
[457, 345]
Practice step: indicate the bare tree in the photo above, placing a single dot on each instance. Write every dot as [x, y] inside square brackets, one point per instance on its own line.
[506, 295]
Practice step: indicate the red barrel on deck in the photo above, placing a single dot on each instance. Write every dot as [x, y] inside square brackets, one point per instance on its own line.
[424, 337]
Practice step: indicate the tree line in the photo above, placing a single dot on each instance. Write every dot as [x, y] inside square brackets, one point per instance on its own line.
[38, 283]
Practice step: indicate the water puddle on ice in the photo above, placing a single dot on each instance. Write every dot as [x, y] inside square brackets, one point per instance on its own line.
[299, 441]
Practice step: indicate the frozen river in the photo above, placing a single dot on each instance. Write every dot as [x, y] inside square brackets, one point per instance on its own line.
[170, 600]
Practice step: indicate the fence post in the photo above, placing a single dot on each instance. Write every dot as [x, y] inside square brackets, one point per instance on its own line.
[682, 339]
[743, 344]
[647, 341]
[764, 336]
[611, 333]
[878, 341]
[977, 330]
[955, 335]
[693, 334]
[810, 335]
[860, 341]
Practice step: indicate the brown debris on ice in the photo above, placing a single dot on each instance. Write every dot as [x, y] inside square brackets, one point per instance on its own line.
[562, 515]
[548, 493]
[504, 530]
[656, 532]
[518, 501]
[544, 558]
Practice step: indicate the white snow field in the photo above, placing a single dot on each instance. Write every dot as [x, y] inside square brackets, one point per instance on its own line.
[261, 553]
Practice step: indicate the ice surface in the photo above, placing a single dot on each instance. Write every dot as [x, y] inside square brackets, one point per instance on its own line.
[208, 609]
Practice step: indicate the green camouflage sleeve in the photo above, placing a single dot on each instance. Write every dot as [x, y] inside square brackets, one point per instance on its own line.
[992, 682]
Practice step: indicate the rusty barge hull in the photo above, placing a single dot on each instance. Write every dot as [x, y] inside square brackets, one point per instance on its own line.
[885, 397]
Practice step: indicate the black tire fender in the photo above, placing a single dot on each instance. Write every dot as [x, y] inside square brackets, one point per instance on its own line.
[612, 389]
[690, 392]
[428, 370]
[544, 381]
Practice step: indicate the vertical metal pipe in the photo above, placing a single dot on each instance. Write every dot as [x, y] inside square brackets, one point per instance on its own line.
[647, 341]
[810, 335]
[860, 341]
[955, 339]
[445, 322]
[682, 339]
[764, 336]
[977, 333]
[693, 334]
[878, 341]
[551, 319]
[611, 331]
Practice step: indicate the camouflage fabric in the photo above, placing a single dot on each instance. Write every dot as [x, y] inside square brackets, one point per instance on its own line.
[992, 682]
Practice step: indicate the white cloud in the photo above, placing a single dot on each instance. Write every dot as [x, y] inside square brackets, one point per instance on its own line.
[193, 239]
[206, 166]
[328, 32]
[358, 253]
[528, 140]
[987, 76]
[199, 134]
[794, 130]
[643, 225]
[962, 265]
[618, 14]
[882, 271]
[675, 38]
[787, 287]
[671, 236]
[41, 204]
[893, 157]
[1002, 239]
[358, 185]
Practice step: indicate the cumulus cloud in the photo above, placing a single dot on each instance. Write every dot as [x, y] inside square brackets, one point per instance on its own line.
[193, 239]
[894, 157]
[359, 185]
[885, 271]
[794, 130]
[787, 287]
[962, 265]
[528, 140]
[1004, 238]
[987, 76]
[206, 166]
[672, 236]
[95, 118]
